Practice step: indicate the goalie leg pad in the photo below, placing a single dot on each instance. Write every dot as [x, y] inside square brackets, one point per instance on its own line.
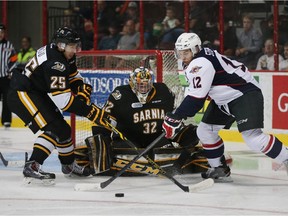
[100, 153]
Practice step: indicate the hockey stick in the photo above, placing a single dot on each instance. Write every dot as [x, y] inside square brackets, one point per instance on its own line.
[12, 163]
[120, 172]
[119, 163]
[196, 187]
[205, 183]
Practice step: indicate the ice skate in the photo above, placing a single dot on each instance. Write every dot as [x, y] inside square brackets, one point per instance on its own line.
[33, 173]
[219, 174]
[72, 170]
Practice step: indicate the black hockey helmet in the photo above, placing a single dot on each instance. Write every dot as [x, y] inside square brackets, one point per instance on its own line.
[141, 82]
[66, 35]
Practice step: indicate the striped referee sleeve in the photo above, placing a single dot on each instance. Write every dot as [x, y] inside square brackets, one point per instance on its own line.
[7, 56]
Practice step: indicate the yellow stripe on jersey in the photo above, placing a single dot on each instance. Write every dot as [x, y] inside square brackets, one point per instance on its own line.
[66, 149]
[30, 106]
[60, 92]
[69, 103]
[73, 74]
[50, 139]
[67, 154]
[64, 145]
[42, 148]
[45, 143]
[75, 79]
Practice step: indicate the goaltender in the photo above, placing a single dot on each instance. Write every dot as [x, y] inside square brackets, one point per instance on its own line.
[137, 110]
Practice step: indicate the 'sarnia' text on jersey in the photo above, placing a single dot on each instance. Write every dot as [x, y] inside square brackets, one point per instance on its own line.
[148, 114]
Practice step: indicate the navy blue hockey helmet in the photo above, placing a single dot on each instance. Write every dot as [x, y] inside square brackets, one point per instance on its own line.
[66, 35]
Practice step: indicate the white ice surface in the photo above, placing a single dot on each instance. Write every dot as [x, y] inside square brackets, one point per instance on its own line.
[257, 189]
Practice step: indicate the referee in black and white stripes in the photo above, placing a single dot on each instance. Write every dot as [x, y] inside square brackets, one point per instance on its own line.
[8, 58]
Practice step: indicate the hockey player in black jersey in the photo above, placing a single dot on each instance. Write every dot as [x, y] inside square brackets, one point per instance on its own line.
[137, 110]
[235, 96]
[49, 82]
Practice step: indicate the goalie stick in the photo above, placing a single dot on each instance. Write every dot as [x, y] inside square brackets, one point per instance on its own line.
[104, 184]
[196, 187]
[13, 163]
[202, 185]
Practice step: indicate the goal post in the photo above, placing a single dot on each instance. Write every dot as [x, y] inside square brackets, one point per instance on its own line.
[105, 70]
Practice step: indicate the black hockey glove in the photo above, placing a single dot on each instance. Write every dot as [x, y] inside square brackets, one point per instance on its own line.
[172, 125]
[84, 93]
[97, 115]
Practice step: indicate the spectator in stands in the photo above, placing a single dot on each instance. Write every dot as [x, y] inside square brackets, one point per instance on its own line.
[152, 23]
[87, 37]
[110, 41]
[230, 38]
[105, 15]
[249, 42]
[266, 61]
[267, 28]
[131, 39]
[283, 65]
[170, 21]
[196, 24]
[172, 29]
[26, 52]
[282, 32]
[131, 12]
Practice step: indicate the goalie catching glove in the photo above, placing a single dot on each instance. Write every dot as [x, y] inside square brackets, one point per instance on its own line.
[172, 125]
[84, 93]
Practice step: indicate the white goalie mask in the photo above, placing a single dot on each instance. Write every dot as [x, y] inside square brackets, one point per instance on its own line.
[188, 41]
[141, 83]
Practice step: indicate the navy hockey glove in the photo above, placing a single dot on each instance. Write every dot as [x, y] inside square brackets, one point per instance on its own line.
[84, 93]
[172, 125]
[97, 115]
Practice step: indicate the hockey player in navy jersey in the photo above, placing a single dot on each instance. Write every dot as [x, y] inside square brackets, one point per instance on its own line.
[235, 95]
[51, 82]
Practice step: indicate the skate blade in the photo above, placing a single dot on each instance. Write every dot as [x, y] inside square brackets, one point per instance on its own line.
[74, 176]
[223, 179]
[34, 181]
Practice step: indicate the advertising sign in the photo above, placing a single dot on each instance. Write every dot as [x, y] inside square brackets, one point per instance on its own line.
[104, 82]
[280, 102]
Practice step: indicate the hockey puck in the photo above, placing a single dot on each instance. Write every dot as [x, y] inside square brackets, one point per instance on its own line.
[119, 195]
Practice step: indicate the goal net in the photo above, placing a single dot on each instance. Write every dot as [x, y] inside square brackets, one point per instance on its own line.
[105, 70]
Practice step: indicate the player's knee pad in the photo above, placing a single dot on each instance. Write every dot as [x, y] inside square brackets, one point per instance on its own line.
[208, 133]
[99, 153]
[255, 139]
[187, 137]
[60, 129]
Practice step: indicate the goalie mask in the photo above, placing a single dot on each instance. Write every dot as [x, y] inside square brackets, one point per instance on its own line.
[141, 83]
